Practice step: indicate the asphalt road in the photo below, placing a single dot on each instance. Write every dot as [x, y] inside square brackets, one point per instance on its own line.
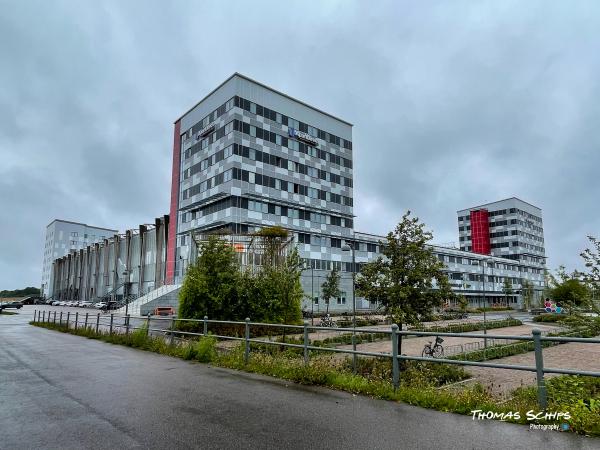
[59, 391]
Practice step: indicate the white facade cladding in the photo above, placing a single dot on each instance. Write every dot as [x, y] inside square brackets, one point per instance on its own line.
[480, 278]
[254, 157]
[121, 265]
[250, 156]
[515, 230]
[62, 237]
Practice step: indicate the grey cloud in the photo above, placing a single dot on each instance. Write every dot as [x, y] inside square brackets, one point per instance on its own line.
[454, 104]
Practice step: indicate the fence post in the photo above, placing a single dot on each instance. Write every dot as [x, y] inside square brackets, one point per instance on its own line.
[539, 367]
[395, 366]
[111, 323]
[97, 322]
[76, 318]
[171, 341]
[205, 325]
[44, 317]
[54, 318]
[86, 320]
[148, 324]
[247, 350]
[60, 319]
[34, 315]
[68, 317]
[127, 324]
[306, 342]
[354, 347]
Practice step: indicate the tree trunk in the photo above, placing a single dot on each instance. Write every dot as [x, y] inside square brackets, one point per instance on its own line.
[327, 303]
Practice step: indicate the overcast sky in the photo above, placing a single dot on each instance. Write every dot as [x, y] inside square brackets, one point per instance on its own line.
[454, 104]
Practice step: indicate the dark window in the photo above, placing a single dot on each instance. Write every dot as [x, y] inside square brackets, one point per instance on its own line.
[337, 243]
[303, 238]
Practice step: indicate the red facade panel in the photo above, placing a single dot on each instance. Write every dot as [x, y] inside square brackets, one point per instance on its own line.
[174, 219]
[480, 232]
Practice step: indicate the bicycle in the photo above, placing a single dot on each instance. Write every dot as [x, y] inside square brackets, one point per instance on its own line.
[327, 321]
[437, 351]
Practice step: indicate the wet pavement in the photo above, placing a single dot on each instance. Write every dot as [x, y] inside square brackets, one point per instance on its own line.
[60, 391]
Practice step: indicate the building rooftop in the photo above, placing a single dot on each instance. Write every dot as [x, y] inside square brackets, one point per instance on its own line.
[239, 75]
[498, 201]
[82, 224]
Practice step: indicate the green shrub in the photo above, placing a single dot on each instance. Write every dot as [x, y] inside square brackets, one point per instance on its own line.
[470, 326]
[205, 349]
[552, 317]
[139, 337]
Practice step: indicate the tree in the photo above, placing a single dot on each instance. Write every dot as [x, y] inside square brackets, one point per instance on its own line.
[591, 278]
[527, 293]
[218, 286]
[507, 288]
[463, 303]
[567, 289]
[408, 281]
[331, 287]
[20, 292]
[209, 286]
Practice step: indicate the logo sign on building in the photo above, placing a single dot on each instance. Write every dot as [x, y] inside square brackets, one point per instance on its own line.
[302, 136]
[206, 130]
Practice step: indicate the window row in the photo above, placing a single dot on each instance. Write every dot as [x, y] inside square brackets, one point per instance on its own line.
[204, 142]
[265, 158]
[292, 144]
[506, 211]
[266, 208]
[288, 121]
[207, 120]
[294, 188]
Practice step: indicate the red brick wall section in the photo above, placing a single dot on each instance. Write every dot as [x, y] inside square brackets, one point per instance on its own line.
[174, 214]
[480, 232]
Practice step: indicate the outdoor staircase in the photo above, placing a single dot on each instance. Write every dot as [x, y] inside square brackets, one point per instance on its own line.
[167, 295]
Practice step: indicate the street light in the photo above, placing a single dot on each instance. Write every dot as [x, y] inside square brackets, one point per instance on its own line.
[126, 280]
[483, 262]
[349, 246]
[312, 292]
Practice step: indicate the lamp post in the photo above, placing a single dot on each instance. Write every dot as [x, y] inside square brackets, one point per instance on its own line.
[312, 292]
[484, 315]
[125, 282]
[349, 246]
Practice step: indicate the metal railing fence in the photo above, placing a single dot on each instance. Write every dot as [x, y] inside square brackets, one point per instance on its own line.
[102, 323]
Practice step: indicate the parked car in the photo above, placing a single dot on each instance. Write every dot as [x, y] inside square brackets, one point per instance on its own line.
[164, 311]
[50, 301]
[56, 303]
[61, 303]
[85, 304]
[99, 305]
[14, 305]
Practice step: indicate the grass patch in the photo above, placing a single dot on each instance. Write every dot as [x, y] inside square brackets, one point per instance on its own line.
[7, 313]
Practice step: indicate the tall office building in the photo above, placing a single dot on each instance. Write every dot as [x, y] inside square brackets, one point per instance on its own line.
[248, 156]
[509, 228]
[62, 236]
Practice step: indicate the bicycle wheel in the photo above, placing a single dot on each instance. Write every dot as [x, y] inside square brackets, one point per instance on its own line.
[426, 352]
[438, 351]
